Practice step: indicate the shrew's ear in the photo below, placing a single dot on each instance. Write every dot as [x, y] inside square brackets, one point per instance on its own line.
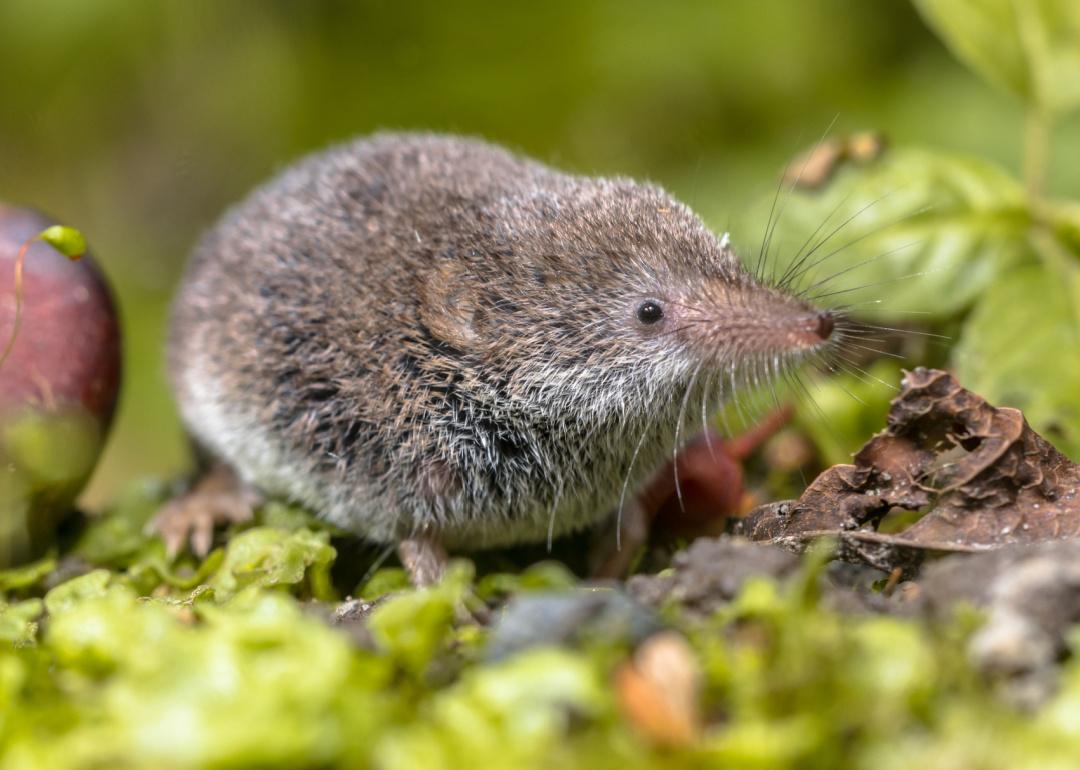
[448, 306]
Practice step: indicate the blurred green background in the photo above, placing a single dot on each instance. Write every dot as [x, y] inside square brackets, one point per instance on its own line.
[139, 122]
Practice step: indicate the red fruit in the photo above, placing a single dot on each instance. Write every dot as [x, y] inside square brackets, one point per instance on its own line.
[58, 385]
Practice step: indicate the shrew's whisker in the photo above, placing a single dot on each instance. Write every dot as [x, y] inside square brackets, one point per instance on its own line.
[818, 297]
[798, 268]
[857, 265]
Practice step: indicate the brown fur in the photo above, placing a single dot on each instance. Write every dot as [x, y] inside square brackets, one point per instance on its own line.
[417, 332]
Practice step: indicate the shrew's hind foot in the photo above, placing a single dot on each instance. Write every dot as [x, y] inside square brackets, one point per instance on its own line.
[218, 497]
[424, 558]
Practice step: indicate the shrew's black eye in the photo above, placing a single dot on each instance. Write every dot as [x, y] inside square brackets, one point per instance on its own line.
[650, 311]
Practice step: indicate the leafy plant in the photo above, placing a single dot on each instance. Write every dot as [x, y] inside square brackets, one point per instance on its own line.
[971, 249]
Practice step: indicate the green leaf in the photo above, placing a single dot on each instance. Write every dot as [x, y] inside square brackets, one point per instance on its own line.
[256, 683]
[1029, 47]
[918, 231]
[412, 627]
[1062, 219]
[67, 240]
[269, 557]
[26, 575]
[19, 621]
[854, 408]
[67, 595]
[385, 581]
[517, 714]
[115, 538]
[1017, 350]
[542, 576]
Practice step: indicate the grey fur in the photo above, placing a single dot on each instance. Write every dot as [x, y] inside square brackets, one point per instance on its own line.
[421, 332]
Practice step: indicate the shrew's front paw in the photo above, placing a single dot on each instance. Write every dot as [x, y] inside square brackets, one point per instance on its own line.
[219, 497]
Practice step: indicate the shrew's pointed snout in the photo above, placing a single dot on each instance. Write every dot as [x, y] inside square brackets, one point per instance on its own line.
[808, 330]
[824, 325]
[749, 320]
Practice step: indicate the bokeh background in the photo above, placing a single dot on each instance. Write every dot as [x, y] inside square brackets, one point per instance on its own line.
[140, 122]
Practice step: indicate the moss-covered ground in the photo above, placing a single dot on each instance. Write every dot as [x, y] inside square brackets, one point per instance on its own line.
[114, 658]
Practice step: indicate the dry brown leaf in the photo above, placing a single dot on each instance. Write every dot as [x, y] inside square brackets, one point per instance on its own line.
[813, 168]
[983, 476]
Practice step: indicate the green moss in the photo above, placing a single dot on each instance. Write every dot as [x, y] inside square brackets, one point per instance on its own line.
[144, 664]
